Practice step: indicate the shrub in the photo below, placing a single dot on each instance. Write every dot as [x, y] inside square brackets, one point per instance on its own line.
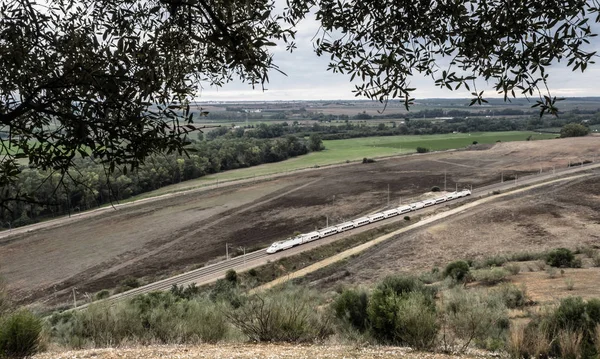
[286, 315]
[561, 257]
[475, 316]
[513, 268]
[368, 160]
[130, 282]
[490, 276]
[551, 271]
[475, 142]
[157, 317]
[496, 192]
[351, 306]
[596, 260]
[458, 270]
[569, 284]
[435, 189]
[252, 272]
[417, 323]
[400, 285]
[20, 335]
[407, 218]
[231, 276]
[422, 149]
[103, 294]
[512, 296]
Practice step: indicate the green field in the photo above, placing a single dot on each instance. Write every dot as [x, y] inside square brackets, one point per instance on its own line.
[340, 151]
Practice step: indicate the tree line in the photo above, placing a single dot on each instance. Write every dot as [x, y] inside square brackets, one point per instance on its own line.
[47, 194]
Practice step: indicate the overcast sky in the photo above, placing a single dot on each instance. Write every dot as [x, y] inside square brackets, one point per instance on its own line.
[307, 79]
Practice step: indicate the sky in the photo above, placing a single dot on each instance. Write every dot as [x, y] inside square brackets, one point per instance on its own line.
[308, 79]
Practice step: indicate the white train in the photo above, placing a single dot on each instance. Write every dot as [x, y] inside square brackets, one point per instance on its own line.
[346, 226]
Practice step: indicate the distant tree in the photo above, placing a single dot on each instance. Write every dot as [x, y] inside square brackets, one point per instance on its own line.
[315, 143]
[422, 150]
[574, 130]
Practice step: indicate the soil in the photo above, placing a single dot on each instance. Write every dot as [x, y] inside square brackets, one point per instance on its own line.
[159, 238]
[560, 215]
[247, 351]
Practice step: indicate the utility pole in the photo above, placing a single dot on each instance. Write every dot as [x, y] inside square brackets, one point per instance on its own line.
[516, 176]
[554, 169]
[456, 187]
[444, 180]
[388, 201]
[501, 177]
[74, 299]
[326, 221]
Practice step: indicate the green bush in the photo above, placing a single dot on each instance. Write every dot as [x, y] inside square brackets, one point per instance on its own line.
[351, 306]
[20, 334]
[562, 257]
[512, 296]
[573, 314]
[458, 270]
[435, 189]
[152, 318]
[103, 294]
[475, 316]
[386, 301]
[285, 315]
[417, 321]
[490, 276]
[407, 218]
[422, 149]
[231, 276]
[513, 268]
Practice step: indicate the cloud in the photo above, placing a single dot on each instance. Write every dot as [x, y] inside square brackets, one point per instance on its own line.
[308, 79]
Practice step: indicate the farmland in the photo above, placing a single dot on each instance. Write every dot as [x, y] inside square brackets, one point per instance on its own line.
[340, 151]
[181, 232]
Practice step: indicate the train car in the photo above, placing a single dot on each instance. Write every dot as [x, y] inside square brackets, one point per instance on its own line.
[309, 237]
[451, 196]
[345, 226]
[376, 217]
[466, 192]
[283, 245]
[327, 231]
[440, 200]
[428, 202]
[361, 221]
[390, 213]
[416, 205]
[404, 209]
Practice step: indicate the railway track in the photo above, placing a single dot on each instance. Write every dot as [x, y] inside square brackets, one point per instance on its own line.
[212, 272]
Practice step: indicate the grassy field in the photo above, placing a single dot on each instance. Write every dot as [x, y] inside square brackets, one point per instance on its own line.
[340, 151]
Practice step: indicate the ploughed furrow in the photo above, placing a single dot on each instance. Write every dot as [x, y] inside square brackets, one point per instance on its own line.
[215, 271]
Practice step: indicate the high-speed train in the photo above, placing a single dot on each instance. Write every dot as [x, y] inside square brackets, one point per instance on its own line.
[346, 226]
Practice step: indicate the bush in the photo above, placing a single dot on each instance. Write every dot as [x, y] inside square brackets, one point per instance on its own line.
[562, 257]
[351, 306]
[513, 268]
[157, 317]
[422, 150]
[417, 322]
[252, 272]
[20, 335]
[231, 276]
[490, 276]
[286, 315]
[475, 316]
[458, 270]
[368, 160]
[475, 142]
[596, 260]
[103, 294]
[407, 218]
[435, 189]
[512, 296]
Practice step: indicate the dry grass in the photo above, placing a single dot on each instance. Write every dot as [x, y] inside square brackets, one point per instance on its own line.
[542, 289]
[516, 340]
[570, 343]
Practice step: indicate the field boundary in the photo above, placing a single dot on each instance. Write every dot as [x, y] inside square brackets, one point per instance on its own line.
[361, 248]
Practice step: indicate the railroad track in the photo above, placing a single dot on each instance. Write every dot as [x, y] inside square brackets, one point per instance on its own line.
[212, 272]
